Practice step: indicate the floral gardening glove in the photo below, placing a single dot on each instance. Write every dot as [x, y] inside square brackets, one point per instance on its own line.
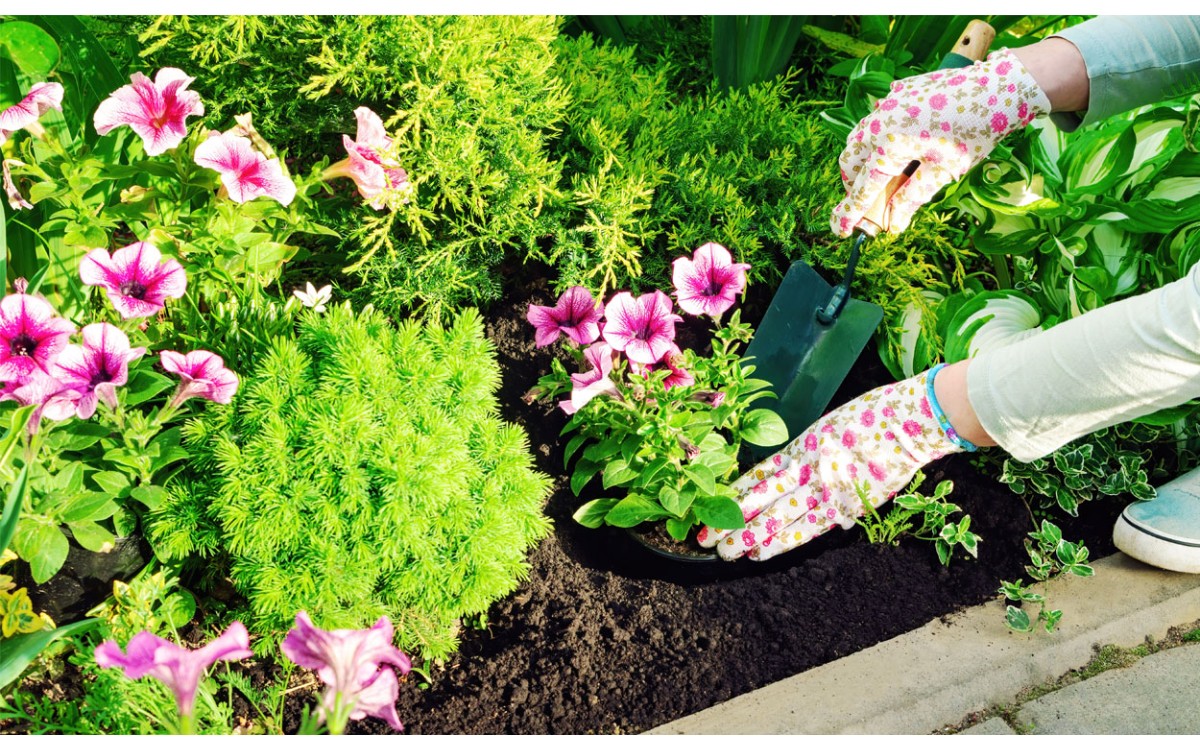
[878, 440]
[948, 120]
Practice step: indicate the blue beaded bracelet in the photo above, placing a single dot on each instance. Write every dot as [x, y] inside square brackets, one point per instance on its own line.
[940, 415]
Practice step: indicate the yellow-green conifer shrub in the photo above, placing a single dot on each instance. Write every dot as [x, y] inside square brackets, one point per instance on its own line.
[361, 471]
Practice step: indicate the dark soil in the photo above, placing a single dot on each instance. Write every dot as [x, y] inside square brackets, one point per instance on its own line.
[606, 637]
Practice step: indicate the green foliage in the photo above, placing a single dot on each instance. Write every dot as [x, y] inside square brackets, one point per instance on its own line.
[470, 101]
[933, 513]
[1115, 461]
[362, 472]
[1050, 555]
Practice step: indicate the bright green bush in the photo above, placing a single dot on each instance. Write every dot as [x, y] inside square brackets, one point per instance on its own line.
[363, 471]
[471, 101]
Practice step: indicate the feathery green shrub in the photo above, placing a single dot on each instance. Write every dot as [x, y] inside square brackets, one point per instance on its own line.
[471, 101]
[361, 471]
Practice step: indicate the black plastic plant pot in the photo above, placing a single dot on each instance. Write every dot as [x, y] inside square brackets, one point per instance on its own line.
[85, 579]
[654, 539]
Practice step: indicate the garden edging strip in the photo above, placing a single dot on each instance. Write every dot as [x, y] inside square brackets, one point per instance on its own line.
[936, 675]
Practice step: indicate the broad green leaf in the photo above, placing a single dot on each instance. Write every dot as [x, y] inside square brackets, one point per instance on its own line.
[591, 514]
[20, 651]
[572, 446]
[92, 536]
[150, 495]
[764, 427]
[634, 510]
[33, 50]
[584, 471]
[42, 545]
[679, 528]
[675, 502]
[617, 472]
[145, 385]
[718, 512]
[702, 476]
[87, 506]
[719, 461]
[113, 482]
[178, 608]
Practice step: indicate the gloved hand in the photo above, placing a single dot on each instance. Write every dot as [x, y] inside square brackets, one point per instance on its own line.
[948, 120]
[880, 438]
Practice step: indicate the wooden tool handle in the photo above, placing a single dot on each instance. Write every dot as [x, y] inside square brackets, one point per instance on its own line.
[974, 42]
[972, 45]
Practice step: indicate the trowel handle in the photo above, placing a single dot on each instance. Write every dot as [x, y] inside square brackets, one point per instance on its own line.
[972, 46]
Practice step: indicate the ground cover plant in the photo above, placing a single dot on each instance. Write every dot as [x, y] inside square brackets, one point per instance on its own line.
[337, 238]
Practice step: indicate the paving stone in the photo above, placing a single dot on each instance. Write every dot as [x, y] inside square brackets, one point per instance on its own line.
[991, 726]
[1159, 694]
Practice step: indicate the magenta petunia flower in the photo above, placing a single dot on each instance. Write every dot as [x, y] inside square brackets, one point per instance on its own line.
[15, 199]
[671, 361]
[594, 382]
[156, 110]
[643, 328]
[245, 173]
[351, 663]
[95, 369]
[136, 279]
[575, 314]
[379, 178]
[177, 667]
[709, 282]
[203, 374]
[31, 336]
[52, 398]
[41, 97]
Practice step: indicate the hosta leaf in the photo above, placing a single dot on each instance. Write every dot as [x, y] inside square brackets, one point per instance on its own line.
[990, 320]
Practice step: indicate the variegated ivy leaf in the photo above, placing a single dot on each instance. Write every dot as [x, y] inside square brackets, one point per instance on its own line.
[990, 320]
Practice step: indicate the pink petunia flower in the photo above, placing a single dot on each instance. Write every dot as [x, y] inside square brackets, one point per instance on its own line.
[177, 667]
[41, 98]
[351, 663]
[670, 361]
[643, 328]
[96, 368]
[378, 176]
[156, 110]
[136, 278]
[245, 173]
[575, 314]
[53, 400]
[594, 382]
[31, 336]
[708, 283]
[15, 199]
[203, 374]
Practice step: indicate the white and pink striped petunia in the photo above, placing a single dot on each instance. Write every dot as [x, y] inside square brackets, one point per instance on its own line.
[41, 97]
[96, 368]
[378, 177]
[643, 328]
[708, 283]
[203, 374]
[245, 173]
[136, 278]
[156, 110]
[594, 382]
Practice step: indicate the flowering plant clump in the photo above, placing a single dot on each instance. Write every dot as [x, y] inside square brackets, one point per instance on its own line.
[662, 423]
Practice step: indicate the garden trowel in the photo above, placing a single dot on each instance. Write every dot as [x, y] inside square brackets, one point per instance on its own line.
[813, 332]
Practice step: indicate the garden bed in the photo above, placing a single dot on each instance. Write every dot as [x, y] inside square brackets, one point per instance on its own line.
[604, 637]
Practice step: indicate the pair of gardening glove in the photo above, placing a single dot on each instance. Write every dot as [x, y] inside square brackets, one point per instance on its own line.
[867, 450]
